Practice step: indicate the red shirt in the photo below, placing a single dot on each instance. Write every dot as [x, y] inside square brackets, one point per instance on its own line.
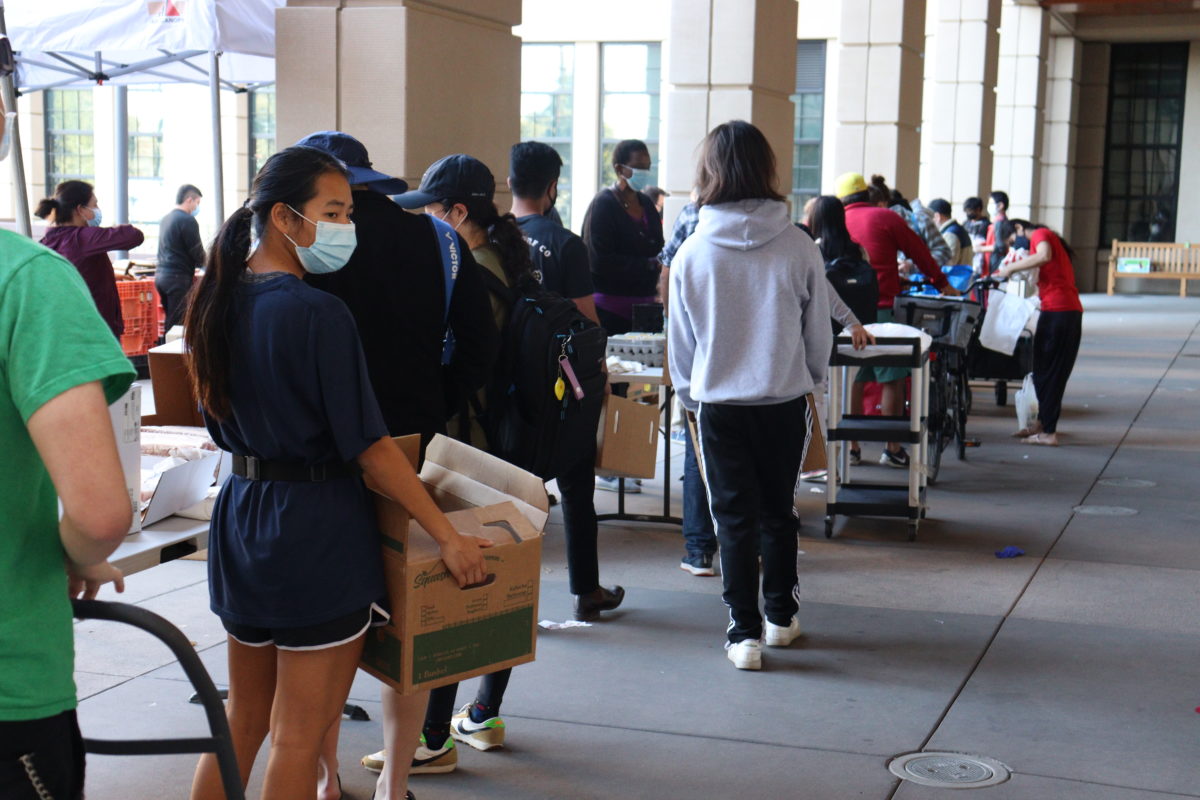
[884, 234]
[1056, 278]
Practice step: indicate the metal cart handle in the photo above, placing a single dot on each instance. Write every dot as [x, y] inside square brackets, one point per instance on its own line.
[220, 743]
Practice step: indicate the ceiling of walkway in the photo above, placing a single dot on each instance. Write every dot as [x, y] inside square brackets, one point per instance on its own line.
[1105, 7]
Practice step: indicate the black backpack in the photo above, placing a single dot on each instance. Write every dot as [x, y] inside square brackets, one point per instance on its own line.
[855, 282]
[526, 423]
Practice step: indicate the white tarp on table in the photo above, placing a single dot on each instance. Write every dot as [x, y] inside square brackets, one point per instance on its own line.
[58, 41]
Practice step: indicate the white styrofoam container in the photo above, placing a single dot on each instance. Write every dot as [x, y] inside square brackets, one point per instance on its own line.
[126, 414]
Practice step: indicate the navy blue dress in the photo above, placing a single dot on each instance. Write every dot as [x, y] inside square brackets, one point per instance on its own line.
[288, 554]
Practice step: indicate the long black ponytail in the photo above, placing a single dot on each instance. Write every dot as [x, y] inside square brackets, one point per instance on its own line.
[289, 177]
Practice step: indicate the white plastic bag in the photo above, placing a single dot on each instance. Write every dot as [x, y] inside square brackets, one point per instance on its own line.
[1026, 402]
[1007, 313]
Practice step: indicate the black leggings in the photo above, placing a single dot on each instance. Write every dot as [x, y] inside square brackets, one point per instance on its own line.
[1055, 346]
[442, 699]
[45, 753]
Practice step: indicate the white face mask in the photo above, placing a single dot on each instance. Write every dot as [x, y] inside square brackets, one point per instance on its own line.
[443, 218]
[330, 251]
[640, 178]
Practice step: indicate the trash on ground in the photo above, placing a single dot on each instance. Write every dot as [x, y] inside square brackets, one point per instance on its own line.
[551, 625]
[1010, 552]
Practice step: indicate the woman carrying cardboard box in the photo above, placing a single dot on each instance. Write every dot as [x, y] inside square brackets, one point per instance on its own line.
[294, 564]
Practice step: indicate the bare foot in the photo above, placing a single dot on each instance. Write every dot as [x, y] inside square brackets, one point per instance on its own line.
[1044, 439]
[1031, 429]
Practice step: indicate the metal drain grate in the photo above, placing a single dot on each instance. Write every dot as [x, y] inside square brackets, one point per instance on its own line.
[949, 770]
[1105, 511]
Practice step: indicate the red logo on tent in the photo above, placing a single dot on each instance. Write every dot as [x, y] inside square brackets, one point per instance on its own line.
[166, 8]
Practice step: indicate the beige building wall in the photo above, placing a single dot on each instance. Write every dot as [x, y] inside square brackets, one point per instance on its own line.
[879, 87]
[1020, 104]
[413, 81]
[737, 61]
[958, 129]
[1056, 191]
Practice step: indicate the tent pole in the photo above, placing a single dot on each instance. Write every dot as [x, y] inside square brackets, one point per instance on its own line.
[20, 190]
[214, 84]
[121, 157]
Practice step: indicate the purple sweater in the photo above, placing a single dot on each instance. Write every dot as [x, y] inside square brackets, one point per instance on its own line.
[87, 248]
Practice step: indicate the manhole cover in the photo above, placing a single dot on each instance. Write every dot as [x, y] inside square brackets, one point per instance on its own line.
[1127, 483]
[1105, 511]
[949, 770]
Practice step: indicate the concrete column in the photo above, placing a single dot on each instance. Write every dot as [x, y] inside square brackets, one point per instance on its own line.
[1020, 104]
[1054, 207]
[728, 59]
[1091, 260]
[414, 81]
[961, 61]
[879, 90]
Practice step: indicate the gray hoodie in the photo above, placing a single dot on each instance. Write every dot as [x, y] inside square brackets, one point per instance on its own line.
[749, 316]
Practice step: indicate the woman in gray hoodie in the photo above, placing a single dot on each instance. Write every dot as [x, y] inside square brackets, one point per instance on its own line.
[749, 337]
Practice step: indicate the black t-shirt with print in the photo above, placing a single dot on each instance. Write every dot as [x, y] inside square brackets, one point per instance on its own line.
[560, 258]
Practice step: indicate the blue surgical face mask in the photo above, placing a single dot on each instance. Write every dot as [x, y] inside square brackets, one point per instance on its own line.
[196, 211]
[639, 180]
[10, 119]
[96, 219]
[330, 251]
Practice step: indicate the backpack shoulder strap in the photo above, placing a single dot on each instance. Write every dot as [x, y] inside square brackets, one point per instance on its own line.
[451, 257]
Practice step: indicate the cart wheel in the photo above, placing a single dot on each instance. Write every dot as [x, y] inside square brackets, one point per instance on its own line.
[912, 529]
[829, 527]
[1001, 393]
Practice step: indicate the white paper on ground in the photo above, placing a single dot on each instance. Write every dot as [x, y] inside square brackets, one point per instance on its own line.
[551, 625]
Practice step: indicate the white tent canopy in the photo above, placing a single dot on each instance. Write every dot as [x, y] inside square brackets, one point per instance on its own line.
[79, 43]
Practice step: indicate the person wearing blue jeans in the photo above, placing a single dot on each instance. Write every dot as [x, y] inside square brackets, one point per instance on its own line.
[698, 534]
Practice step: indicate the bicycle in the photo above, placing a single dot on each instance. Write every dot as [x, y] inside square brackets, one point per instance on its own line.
[951, 321]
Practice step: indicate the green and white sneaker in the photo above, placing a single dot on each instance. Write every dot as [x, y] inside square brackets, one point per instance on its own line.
[486, 735]
[428, 762]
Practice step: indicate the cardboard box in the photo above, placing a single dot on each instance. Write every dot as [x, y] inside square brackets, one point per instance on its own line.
[179, 487]
[174, 402]
[439, 633]
[627, 441]
[126, 416]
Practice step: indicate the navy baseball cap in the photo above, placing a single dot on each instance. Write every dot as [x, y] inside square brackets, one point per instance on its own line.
[456, 177]
[353, 154]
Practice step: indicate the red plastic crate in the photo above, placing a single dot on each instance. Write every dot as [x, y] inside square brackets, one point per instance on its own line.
[139, 307]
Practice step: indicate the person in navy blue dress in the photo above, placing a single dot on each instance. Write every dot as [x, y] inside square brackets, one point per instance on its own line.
[294, 562]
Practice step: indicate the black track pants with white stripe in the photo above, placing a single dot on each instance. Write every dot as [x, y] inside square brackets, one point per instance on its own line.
[751, 457]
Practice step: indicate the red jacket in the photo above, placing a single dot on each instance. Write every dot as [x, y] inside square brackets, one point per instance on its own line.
[884, 234]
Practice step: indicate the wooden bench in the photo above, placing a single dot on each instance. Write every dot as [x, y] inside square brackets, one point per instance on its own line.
[1168, 261]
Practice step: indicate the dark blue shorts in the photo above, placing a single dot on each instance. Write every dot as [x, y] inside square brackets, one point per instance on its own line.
[321, 636]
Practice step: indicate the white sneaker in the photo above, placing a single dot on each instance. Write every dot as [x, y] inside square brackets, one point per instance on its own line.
[746, 654]
[779, 636]
[614, 485]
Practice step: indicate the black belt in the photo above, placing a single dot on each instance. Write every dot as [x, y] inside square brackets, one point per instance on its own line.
[257, 469]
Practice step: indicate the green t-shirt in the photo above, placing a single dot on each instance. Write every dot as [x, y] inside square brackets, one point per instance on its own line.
[51, 340]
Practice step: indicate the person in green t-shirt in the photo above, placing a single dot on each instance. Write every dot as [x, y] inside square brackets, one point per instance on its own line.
[59, 369]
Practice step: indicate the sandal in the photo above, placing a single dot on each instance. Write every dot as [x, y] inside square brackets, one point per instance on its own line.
[1043, 439]
[1029, 430]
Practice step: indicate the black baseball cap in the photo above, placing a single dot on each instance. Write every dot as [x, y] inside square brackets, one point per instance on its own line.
[353, 154]
[456, 177]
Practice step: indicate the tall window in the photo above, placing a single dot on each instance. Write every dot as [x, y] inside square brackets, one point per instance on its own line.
[810, 120]
[1145, 136]
[547, 87]
[262, 128]
[146, 196]
[70, 145]
[630, 88]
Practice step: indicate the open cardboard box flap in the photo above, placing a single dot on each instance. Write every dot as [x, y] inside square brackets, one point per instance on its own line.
[448, 465]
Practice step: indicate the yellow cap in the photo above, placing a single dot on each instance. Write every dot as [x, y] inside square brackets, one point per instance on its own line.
[849, 183]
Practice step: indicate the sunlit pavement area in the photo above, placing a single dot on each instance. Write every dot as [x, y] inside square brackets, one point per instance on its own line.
[1077, 665]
